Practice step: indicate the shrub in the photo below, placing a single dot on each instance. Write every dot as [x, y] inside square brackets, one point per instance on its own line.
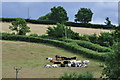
[84, 37]
[34, 35]
[75, 76]
[93, 38]
[106, 39]
[62, 31]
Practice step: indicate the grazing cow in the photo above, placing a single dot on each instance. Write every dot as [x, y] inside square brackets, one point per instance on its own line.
[62, 65]
[60, 59]
[66, 62]
[52, 61]
[69, 65]
[77, 62]
[67, 58]
[55, 65]
[49, 58]
[72, 61]
[85, 61]
[73, 58]
[47, 66]
[57, 62]
[83, 65]
[73, 65]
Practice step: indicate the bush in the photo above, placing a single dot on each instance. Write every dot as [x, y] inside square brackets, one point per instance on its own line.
[106, 39]
[75, 76]
[93, 38]
[34, 35]
[62, 31]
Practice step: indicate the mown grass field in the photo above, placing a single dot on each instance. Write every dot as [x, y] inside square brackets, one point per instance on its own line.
[41, 29]
[31, 57]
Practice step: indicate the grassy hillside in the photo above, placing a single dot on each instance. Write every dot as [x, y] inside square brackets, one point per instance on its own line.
[31, 56]
[41, 29]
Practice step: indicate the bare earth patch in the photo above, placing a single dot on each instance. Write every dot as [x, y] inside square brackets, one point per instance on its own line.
[31, 57]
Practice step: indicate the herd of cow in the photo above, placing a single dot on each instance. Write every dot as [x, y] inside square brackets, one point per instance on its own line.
[66, 62]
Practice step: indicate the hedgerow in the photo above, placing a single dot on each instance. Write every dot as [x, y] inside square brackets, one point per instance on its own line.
[89, 45]
[101, 26]
[72, 46]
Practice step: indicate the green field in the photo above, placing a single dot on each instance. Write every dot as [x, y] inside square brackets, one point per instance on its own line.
[31, 57]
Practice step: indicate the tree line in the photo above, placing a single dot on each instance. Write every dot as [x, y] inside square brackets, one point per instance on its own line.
[59, 15]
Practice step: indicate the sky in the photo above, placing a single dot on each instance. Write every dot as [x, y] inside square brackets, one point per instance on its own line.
[101, 10]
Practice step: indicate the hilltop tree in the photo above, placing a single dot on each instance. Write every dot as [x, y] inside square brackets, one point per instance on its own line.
[108, 22]
[58, 14]
[20, 26]
[84, 15]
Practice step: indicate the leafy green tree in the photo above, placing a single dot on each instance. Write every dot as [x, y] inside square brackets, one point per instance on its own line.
[84, 15]
[112, 69]
[46, 17]
[62, 31]
[20, 26]
[108, 22]
[58, 14]
[117, 33]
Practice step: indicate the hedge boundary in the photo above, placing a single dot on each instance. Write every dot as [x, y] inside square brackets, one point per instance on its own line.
[89, 45]
[73, 24]
[68, 46]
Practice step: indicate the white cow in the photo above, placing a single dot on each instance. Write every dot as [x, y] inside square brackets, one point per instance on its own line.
[47, 66]
[85, 61]
[49, 58]
[55, 65]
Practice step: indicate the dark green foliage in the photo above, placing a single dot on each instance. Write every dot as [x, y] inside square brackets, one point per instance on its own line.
[108, 22]
[84, 15]
[75, 76]
[58, 14]
[117, 34]
[34, 35]
[44, 18]
[93, 38]
[20, 26]
[62, 31]
[106, 39]
[40, 21]
[84, 37]
[112, 69]
[89, 45]
[73, 47]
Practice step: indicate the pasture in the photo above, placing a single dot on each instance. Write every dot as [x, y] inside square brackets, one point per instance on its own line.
[32, 57]
[41, 29]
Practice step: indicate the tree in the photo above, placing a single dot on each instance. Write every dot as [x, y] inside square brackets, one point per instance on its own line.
[108, 22]
[117, 33]
[62, 31]
[112, 69]
[84, 15]
[20, 26]
[58, 14]
[46, 17]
